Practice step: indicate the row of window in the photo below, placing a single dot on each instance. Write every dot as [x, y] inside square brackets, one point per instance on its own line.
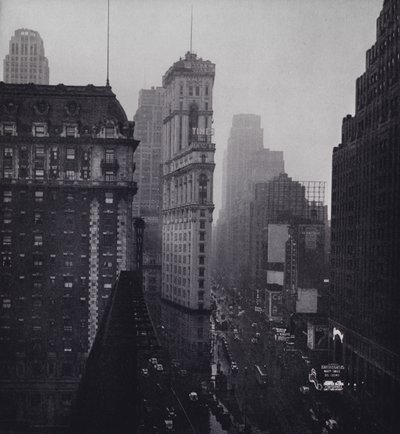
[39, 196]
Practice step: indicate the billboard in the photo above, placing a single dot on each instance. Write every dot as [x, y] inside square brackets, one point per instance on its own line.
[277, 237]
[317, 336]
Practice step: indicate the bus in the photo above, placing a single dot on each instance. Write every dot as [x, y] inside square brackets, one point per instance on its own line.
[261, 376]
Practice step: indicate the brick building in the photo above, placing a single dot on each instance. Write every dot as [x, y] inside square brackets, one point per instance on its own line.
[365, 239]
[66, 161]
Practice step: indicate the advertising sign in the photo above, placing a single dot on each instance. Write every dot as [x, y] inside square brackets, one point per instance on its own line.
[333, 377]
[310, 336]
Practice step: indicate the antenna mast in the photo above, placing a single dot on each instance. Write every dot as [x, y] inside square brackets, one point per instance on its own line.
[108, 43]
[191, 28]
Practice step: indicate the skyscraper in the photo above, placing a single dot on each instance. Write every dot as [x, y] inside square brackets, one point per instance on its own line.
[66, 188]
[365, 240]
[188, 166]
[246, 162]
[147, 203]
[26, 61]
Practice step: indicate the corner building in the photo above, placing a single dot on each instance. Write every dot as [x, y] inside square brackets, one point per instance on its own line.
[66, 170]
[188, 166]
[365, 239]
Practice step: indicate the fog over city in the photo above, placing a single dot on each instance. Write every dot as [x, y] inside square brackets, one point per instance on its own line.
[292, 62]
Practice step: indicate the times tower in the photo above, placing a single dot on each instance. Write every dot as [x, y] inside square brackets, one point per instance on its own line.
[188, 166]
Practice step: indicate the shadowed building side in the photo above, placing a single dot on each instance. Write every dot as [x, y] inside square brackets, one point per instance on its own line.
[108, 395]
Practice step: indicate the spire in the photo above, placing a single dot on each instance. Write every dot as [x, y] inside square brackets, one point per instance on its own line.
[108, 43]
[191, 29]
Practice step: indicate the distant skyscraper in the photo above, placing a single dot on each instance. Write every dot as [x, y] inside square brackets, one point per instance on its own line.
[188, 157]
[26, 62]
[246, 162]
[147, 202]
[66, 171]
[365, 239]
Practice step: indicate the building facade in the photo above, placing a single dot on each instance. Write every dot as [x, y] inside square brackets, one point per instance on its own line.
[66, 188]
[188, 166]
[147, 203]
[26, 61]
[365, 239]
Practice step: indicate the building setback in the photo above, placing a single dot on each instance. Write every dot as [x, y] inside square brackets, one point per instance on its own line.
[365, 243]
[26, 61]
[147, 203]
[188, 166]
[66, 163]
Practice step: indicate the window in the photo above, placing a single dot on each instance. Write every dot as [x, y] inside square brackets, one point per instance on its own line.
[203, 188]
[110, 132]
[109, 198]
[39, 151]
[38, 218]
[8, 129]
[201, 248]
[190, 90]
[206, 91]
[8, 152]
[201, 260]
[6, 240]
[70, 131]
[39, 173]
[39, 196]
[39, 130]
[67, 284]
[201, 283]
[206, 106]
[7, 217]
[181, 89]
[70, 174]
[197, 91]
[110, 155]
[202, 236]
[7, 196]
[110, 176]
[38, 240]
[70, 154]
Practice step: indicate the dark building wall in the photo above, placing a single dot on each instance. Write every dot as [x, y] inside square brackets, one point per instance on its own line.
[66, 162]
[365, 243]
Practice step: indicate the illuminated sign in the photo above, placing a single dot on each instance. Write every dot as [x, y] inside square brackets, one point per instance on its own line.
[333, 377]
[203, 131]
[337, 332]
[312, 378]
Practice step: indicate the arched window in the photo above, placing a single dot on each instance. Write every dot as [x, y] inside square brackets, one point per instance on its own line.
[193, 122]
[203, 188]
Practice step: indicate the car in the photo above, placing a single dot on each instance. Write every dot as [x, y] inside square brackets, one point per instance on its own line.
[159, 367]
[331, 424]
[153, 361]
[254, 340]
[182, 372]
[235, 330]
[304, 390]
[234, 367]
[254, 325]
[170, 413]
[257, 335]
[193, 396]
[169, 425]
[175, 363]
[145, 372]
[236, 338]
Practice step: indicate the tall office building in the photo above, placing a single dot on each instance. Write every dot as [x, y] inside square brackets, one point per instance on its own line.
[365, 239]
[188, 166]
[147, 203]
[66, 163]
[26, 61]
[246, 162]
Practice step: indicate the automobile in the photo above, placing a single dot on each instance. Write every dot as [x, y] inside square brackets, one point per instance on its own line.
[257, 335]
[331, 424]
[254, 325]
[193, 396]
[254, 340]
[153, 361]
[159, 367]
[175, 363]
[182, 373]
[234, 367]
[236, 337]
[170, 413]
[304, 390]
[145, 372]
[169, 425]
[235, 330]
[241, 313]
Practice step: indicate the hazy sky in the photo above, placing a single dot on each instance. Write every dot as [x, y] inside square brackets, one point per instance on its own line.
[294, 62]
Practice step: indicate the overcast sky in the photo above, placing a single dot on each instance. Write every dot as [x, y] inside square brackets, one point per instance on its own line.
[294, 62]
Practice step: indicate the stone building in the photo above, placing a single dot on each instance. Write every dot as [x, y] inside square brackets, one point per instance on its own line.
[188, 166]
[147, 203]
[66, 169]
[26, 61]
[365, 238]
